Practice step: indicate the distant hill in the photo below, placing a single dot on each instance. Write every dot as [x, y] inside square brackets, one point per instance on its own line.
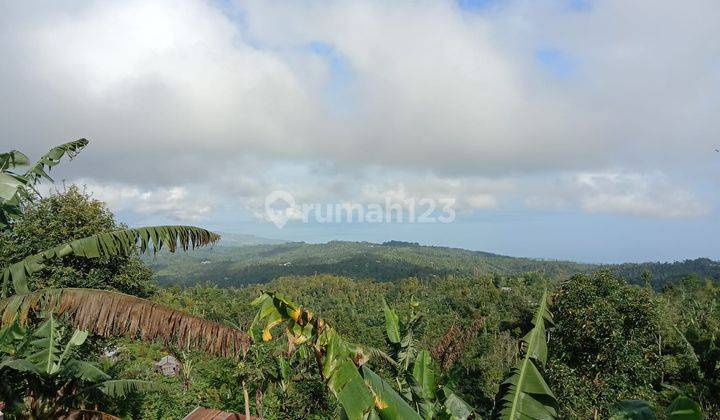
[239, 239]
[259, 263]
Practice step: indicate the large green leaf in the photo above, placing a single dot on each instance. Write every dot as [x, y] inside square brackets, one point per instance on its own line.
[388, 403]
[392, 324]
[52, 158]
[120, 387]
[13, 185]
[424, 375]
[10, 336]
[119, 242]
[455, 407]
[21, 365]
[82, 370]
[45, 346]
[13, 159]
[339, 360]
[525, 392]
[350, 390]
[77, 339]
[683, 408]
[633, 410]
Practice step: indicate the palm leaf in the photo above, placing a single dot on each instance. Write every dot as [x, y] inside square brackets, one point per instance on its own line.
[119, 242]
[109, 313]
[121, 387]
[526, 394]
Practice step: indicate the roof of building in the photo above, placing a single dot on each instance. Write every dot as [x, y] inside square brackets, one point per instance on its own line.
[167, 360]
[201, 413]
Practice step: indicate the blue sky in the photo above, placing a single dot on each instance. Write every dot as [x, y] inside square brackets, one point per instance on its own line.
[574, 129]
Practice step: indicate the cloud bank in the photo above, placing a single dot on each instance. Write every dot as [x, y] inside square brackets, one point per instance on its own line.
[608, 107]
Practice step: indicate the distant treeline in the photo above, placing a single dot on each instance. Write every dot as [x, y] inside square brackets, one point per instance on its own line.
[390, 261]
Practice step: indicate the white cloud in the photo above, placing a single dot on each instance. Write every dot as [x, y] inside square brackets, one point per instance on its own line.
[175, 202]
[183, 97]
[642, 195]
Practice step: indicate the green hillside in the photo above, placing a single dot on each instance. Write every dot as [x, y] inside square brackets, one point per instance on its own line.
[389, 261]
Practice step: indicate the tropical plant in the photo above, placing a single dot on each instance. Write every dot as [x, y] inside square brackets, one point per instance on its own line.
[49, 379]
[343, 366]
[103, 312]
[359, 390]
[402, 338]
[16, 186]
[525, 394]
[416, 374]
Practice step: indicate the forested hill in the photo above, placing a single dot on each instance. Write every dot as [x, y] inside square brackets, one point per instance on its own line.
[237, 265]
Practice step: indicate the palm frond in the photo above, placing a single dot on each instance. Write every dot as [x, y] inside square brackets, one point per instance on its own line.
[119, 242]
[526, 394]
[121, 387]
[109, 313]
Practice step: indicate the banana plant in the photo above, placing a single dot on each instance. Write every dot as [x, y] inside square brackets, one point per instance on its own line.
[56, 381]
[525, 394]
[417, 376]
[342, 365]
[18, 185]
[401, 338]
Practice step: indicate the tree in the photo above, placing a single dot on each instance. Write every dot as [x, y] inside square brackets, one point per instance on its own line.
[607, 344]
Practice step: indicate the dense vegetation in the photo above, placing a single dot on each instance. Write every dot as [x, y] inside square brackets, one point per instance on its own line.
[441, 345]
[238, 265]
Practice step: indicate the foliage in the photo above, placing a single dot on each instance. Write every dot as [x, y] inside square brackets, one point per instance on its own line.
[682, 408]
[112, 314]
[16, 186]
[62, 217]
[606, 344]
[525, 392]
[234, 266]
[358, 390]
[47, 379]
[123, 242]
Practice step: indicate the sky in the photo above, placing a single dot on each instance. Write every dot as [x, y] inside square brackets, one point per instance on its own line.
[564, 129]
